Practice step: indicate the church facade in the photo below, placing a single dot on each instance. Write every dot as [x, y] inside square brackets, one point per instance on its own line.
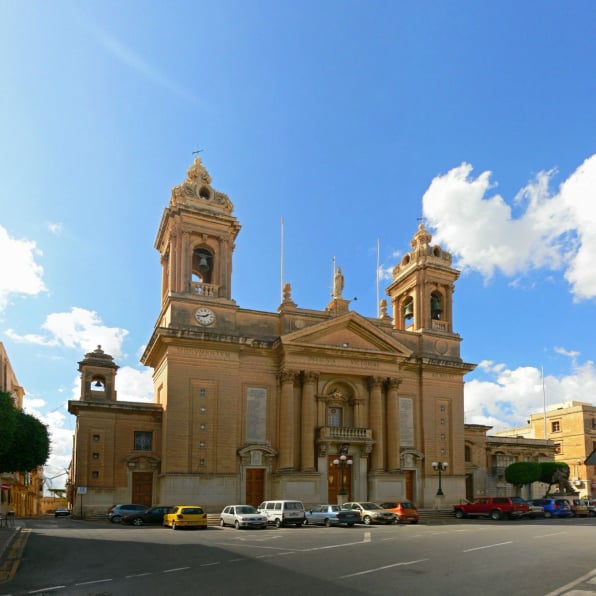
[318, 405]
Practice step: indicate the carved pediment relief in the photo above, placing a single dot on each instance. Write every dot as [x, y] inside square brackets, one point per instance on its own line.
[350, 332]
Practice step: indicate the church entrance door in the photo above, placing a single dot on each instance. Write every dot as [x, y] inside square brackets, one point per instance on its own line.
[255, 486]
[142, 488]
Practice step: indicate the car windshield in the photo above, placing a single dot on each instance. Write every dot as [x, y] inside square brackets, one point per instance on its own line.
[388, 505]
[246, 509]
[370, 506]
[407, 505]
[294, 505]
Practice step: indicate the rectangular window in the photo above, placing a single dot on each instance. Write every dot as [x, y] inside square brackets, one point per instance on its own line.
[334, 416]
[555, 426]
[143, 440]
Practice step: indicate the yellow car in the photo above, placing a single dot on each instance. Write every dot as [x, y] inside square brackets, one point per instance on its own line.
[185, 516]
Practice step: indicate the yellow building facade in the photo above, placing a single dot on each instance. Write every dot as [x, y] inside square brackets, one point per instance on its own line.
[252, 405]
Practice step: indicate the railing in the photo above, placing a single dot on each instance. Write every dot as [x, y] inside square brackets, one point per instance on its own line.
[345, 433]
[201, 289]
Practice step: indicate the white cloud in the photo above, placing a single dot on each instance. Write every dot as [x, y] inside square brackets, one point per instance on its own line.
[19, 273]
[512, 395]
[79, 329]
[55, 228]
[555, 231]
[134, 385]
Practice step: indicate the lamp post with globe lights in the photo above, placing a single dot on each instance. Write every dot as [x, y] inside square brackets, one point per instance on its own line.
[439, 466]
[343, 461]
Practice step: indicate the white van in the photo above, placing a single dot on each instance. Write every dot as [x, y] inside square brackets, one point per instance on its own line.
[283, 513]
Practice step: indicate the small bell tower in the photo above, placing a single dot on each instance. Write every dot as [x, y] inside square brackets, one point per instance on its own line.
[98, 376]
[422, 287]
[196, 239]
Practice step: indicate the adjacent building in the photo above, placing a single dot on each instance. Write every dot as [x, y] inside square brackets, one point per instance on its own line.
[571, 426]
[252, 405]
[20, 492]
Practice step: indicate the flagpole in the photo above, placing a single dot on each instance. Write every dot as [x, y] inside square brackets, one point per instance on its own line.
[281, 286]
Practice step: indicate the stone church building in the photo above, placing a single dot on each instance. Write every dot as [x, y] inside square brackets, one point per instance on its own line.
[252, 405]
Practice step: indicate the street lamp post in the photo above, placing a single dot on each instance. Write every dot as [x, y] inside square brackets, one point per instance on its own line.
[342, 462]
[439, 466]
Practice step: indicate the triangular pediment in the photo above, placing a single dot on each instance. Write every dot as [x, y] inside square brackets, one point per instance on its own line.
[350, 331]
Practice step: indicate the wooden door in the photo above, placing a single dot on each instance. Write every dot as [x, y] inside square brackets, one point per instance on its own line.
[142, 488]
[409, 485]
[255, 486]
[334, 484]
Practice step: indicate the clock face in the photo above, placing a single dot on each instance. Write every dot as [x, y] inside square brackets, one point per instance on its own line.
[205, 316]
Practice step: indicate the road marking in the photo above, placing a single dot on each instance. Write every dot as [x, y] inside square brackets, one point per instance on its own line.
[382, 568]
[570, 585]
[367, 537]
[469, 550]
[50, 589]
[95, 581]
[549, 535]
[137, 575]
[210, 564]
[176, 569]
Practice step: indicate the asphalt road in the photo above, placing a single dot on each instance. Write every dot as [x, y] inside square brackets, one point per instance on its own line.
[453, 557]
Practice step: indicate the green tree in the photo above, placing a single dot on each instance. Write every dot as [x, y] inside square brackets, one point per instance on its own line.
[522, 472]
[8, 422]
[551, 471]
[27, 447]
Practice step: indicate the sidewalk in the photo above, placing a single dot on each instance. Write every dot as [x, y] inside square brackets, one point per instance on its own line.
[7, 535]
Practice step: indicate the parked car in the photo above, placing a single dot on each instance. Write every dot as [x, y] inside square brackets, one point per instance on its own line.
[534, 510]
[242, 516]
[331, 515]
[372, 513]
[283, 512]
[153, 515]
[185, 516]
[62, 512]
[579, 507]
[405, 511]
[116, 512]
[553, 507]
[493, 507]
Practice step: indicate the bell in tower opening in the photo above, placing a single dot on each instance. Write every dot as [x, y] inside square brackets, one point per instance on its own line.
[435, 307]
[202, 264]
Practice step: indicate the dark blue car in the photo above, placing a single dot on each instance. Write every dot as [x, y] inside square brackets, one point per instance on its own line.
[554, 507]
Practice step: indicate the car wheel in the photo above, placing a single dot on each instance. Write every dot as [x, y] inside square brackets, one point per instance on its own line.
[116, 519]
[547, 514]
[137, 521]
[221, 523]
[174, 527]
[237, 525]
[459, 514]
[327, 522]
[367, 520]
[278, 523]
[495, 514]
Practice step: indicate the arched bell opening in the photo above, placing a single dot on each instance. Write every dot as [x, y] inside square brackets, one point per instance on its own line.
[407, 312]
[436, 306]
[98, 383]
[202, 265]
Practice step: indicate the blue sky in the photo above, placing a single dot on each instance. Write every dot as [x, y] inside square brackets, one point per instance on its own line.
[351, 120]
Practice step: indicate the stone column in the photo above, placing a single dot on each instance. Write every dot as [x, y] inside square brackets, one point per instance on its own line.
[307, 446]
[375, 416]
[286, 419]
[393, 424]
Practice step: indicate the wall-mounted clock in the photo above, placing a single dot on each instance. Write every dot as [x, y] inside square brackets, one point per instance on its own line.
[205, 316]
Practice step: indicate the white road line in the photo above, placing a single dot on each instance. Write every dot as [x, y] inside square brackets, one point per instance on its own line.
[469, 550]
[46, 589]
[381, 568]
[96, 581]
[570, 585]
[177, 569]
[549, 535]
[137, 575]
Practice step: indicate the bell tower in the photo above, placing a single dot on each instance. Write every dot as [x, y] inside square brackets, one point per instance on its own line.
[422, 287]
[196, 239]
[98, 376]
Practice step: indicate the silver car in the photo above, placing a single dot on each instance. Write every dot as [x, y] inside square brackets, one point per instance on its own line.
[372, 513]
[242, 516]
